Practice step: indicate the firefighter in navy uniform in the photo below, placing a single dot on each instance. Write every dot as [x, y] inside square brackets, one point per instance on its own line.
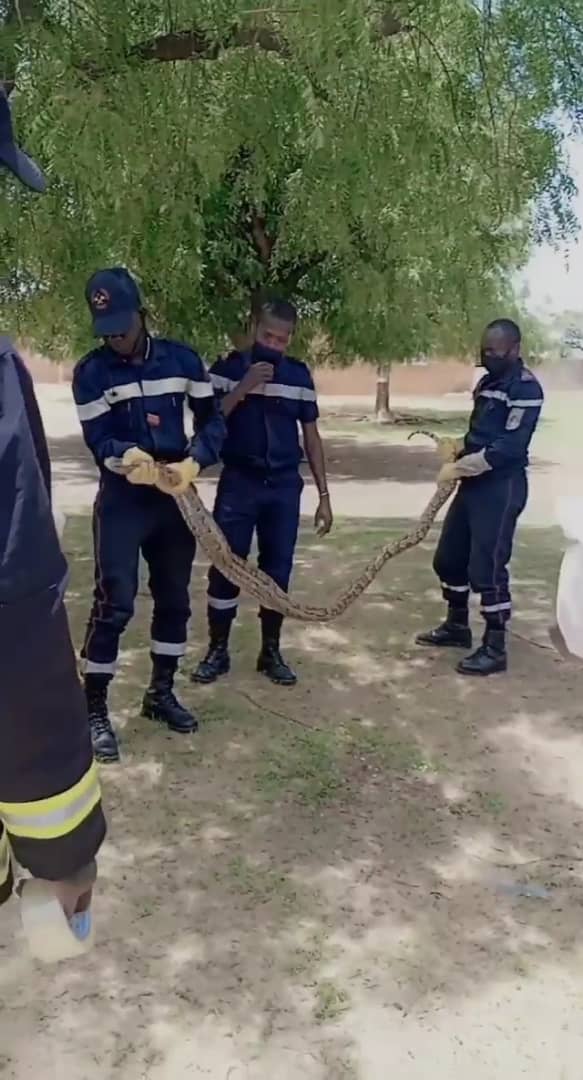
[478, 532]
[50, 808]
[265, 396]
[130, 395]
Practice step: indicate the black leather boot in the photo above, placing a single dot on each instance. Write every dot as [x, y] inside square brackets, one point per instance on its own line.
[160, 702]
[270, 661]
[217, 661]
[454, 633]
[103, 738]
[490, 658]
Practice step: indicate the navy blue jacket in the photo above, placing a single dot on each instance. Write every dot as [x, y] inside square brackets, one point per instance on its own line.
[262, 432]
[122, 405]
[504, 418]
[30, 554]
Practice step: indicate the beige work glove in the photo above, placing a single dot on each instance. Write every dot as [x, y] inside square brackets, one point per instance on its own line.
[175, 479]
[139, 467]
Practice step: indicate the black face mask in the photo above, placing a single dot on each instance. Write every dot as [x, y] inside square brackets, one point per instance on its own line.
[496, 365]
[262, 354]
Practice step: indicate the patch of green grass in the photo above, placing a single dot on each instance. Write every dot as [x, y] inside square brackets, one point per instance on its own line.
[393, 754]
[305, 766]
[331, 1002]
[259, 883]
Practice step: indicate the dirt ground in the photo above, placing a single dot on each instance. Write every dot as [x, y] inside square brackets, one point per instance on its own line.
[377, 874]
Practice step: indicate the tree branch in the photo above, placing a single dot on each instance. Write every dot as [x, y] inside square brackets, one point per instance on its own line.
[195, 44]
[201, 45]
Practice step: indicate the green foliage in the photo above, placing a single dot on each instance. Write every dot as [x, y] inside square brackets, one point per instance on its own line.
[380, 166]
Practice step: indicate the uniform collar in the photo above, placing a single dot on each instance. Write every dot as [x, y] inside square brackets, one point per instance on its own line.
[151, 356]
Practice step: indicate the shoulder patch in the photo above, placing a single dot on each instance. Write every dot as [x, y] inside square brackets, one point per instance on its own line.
[515, 417]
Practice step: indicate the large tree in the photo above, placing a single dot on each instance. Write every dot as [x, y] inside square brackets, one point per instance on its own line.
[386, 165]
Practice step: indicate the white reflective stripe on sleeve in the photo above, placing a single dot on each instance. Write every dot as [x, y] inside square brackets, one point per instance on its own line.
[167, 648]
[92, 410]
[91, 667]
[219, 382]
[199, 389]
[115, 394]
[222, 605]
[455, 588]
[497, 395]
[491, 609]
[157, 387]
[292, 393]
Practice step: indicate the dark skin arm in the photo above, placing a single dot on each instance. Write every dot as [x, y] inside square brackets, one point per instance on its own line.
[255, 376]
[315, 454]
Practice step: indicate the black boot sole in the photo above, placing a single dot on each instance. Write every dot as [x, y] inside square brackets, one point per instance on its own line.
[109, 759]
[202, 681]
[475, 674]
[426, 644]
[150, 712]
[273, 678]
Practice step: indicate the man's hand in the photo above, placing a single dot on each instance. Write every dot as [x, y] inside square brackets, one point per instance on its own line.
[256, 375]
[324, 518]
[448, 473]
[139, 467]
[176, 479]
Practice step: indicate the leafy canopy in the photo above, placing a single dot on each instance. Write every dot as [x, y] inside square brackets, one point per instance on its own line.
[380, 164]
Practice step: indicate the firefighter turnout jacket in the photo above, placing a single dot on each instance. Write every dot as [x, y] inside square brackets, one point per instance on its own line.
[50, 807]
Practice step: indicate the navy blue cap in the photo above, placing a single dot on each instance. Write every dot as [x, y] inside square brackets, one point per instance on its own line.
[113, 298]
[12, 157]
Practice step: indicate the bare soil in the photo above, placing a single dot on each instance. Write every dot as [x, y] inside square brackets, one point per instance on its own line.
[377, 874]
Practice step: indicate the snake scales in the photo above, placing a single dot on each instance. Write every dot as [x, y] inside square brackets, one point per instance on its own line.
[262, 588]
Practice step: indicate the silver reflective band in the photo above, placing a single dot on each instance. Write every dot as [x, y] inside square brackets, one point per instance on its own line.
[122, 393]
[491, 609]
[92, 410]
[278, 390]
[167, 648]
[221, 383]
[499, 395]
[157, 387]
[455, 588]
[293, 393]
[51, 819]
[91, 667]
[221, 605]
[199, 389]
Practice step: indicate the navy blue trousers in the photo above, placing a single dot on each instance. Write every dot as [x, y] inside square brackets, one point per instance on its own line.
[246, 503]
[475, 546]
[129, 521]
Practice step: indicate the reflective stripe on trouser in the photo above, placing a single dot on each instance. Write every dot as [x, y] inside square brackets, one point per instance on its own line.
[246, 503]
[5, 866]
[476, 540]
[126, 522]
[49, 792]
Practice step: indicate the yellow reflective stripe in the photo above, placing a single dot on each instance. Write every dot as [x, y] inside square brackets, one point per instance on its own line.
[4, 859]
[48, 819]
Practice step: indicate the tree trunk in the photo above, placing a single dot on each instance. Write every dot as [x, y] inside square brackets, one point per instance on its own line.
[383, 414]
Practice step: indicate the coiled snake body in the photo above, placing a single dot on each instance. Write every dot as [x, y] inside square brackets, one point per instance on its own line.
[262, 588]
